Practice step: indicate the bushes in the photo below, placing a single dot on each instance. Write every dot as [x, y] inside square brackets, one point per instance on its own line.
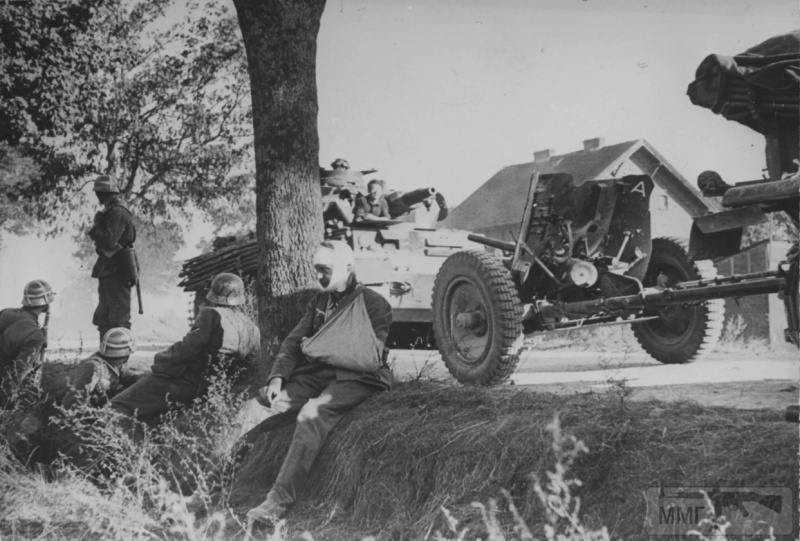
[107, 484]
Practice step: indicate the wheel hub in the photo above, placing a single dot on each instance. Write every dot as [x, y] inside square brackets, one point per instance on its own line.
[473, 320]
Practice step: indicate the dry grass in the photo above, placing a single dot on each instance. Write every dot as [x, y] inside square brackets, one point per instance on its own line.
[393, 466]
[389, 468]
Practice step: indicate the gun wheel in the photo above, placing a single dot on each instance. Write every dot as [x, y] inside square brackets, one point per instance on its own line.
[477, 318]
[682, 333]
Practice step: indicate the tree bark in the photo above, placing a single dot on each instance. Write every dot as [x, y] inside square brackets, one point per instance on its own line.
[280, 38]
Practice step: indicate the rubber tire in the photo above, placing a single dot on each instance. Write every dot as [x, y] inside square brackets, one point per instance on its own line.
[504, 318]
[705, 326]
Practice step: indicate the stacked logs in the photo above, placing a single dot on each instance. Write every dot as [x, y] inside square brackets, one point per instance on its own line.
[239, 257]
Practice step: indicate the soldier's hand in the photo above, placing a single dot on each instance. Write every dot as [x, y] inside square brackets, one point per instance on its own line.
[268, 395]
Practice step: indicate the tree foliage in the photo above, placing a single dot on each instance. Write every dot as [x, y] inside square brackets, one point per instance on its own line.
[153, 92]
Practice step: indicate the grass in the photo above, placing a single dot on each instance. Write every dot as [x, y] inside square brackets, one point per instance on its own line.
[388, 470]
[422, 461]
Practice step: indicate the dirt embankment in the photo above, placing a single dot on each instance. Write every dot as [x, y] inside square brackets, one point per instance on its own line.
[392, 464]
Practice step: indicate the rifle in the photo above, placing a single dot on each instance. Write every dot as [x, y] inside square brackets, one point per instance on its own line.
[129, 263]
[44, 328]
[138, 288]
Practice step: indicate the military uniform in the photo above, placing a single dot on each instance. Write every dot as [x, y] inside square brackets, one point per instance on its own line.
[21, 343]
[219, 335]
[319, 395]
[97, 376]
[377, 207]
[113, 231]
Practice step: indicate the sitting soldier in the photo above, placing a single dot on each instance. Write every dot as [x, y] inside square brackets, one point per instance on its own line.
[329, 363]
[96, 378]
[222, 336]
[22, 339]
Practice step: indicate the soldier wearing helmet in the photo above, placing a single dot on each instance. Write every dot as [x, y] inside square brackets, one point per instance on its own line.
[95, 378]
[113, 233]
[223, 337]
[22, 339]
[315, 377]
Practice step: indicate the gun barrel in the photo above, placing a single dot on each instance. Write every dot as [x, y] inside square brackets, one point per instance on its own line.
[401, 202]
[494, 243]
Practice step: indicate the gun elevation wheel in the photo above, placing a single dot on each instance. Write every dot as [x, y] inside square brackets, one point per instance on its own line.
[477, 318]
[681, 334]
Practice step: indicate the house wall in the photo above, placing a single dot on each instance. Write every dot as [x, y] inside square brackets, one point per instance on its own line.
[763, 315]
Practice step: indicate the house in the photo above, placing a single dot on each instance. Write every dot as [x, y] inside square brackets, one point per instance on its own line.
[495, 208]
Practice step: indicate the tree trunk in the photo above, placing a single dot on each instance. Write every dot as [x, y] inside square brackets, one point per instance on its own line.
[280, 38]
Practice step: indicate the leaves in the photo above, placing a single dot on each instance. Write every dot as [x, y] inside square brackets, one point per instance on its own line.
[91, 86]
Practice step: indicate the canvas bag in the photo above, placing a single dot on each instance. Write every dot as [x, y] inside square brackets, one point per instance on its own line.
[346, 340]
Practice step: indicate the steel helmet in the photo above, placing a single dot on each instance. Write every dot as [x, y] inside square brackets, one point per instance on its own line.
[117, 342]
[105, 184]
[37, 293]
[226, 289]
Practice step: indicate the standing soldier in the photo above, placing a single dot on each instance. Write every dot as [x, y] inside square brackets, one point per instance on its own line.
[22, 339]
[113, 234]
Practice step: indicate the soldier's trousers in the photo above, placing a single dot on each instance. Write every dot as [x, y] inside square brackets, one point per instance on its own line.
[114, 306]
[153, 394]
[318, 402]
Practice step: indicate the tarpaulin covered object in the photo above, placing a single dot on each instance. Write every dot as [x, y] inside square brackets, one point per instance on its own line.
[759, 88]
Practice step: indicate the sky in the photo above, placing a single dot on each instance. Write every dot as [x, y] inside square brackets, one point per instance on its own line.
[445, 93]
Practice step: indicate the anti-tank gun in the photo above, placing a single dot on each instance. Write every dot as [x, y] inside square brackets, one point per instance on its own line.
[583, 255]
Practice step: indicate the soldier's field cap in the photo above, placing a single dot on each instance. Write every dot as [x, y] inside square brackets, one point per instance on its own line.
[105, 184]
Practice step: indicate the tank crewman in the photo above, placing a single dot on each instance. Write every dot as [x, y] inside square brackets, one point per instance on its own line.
[315, 379]
[337, 202]
[22, 339]
[97, 377]
[340, 164]
[113, 233]
[222, 336]
[373, 206]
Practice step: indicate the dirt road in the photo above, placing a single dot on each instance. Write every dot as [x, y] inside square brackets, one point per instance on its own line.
[762, 380]
[741, 379]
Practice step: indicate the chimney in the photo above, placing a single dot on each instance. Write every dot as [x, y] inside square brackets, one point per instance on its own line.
[593, 144]
[543, 155]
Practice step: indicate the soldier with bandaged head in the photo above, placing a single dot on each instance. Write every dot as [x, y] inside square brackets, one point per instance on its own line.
[223, 337]
[331, 361]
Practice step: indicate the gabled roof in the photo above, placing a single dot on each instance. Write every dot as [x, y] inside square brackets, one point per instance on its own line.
[501, 199]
